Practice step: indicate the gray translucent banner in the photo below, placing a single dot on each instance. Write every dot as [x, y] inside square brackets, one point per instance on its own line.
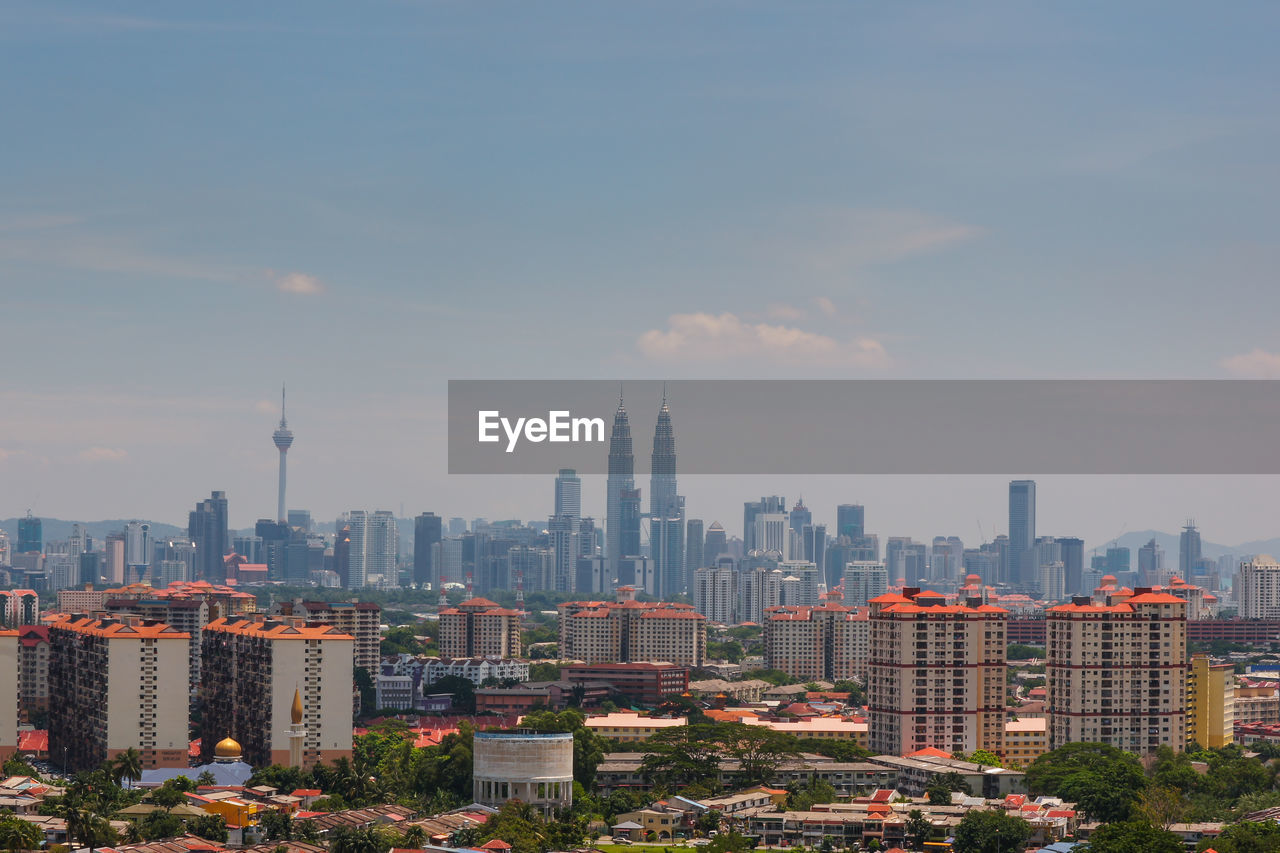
[874, 426]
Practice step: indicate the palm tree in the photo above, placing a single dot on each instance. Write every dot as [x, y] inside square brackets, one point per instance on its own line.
[17, 834]
[128, 765]
[206, 778]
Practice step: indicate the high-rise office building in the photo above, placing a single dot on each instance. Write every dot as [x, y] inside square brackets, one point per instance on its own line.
[427, 531]
[563, 539]
[568, 496]
[799, 516]
[850, 521]
[937, 674]
[1150, 564]
[716, 543]
[30, 535]
[137, 543]
[750, 510]
[666, 509]
[1189, 553]
[1071, 550]
[207, 527]
[1022, 533]
[813, 544]
[283, 439]
[1117, 671]
[371, 557]
[259, 675]
[694, 540]
[622, 499]
[906, 559]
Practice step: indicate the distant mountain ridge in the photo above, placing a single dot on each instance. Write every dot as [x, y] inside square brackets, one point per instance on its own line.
[55, 529]
[1170, 543]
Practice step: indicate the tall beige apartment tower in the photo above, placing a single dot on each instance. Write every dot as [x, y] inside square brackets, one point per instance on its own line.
[1117, 671]
[937, 674]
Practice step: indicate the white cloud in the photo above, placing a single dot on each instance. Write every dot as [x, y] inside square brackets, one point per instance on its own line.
[102, 454]
[719, 337]
[825, 305]
[297, 282]
[1255, 364]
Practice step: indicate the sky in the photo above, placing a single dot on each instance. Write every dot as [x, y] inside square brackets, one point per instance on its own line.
[364, 200]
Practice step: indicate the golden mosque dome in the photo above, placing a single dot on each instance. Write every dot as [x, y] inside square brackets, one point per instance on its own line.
[228, 748]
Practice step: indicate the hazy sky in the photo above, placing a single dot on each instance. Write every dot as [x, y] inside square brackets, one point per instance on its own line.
[202, 200]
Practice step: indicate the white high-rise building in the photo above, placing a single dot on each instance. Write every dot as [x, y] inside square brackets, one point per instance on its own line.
[137, 543]
[759, 588]
[715, 593]
[863, 581]
[373, 549]
[1259, 588]
[771, 532]
[806, 588]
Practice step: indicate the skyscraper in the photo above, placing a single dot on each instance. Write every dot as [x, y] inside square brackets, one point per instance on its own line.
[619, 485]
[850, 521]
[427, 531]
[715, 544]
[568, 499]
[751, 509]
[1072, 552]
[1022, 533]
[30, 535]
[207, 527]
[283, 438]
[666, 509]
[693, 544]
[372, 549]
[564, 529]
[1188, 550]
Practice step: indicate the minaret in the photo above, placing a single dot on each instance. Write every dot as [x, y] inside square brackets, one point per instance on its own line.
[622, 466]
[283, 437]
[297, 732]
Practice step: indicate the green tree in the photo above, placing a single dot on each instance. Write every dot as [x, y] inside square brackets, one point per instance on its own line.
[1132, 835]
[918, 828]
[18, 834]
[209, 827]
[363, 839]
[207, 778]
[461, 689]
[941, 786]
[803, 798]
[1246, 837]
[731, 842]
[159, 824]
[274, 825]
[1162, 807]
[1102, 780]
[990, 832]
[985, 757]
[128, 765]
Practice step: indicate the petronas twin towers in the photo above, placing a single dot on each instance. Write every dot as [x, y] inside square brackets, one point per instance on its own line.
[663, 573]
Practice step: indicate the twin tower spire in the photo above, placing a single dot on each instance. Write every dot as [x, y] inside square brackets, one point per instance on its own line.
[664, 572]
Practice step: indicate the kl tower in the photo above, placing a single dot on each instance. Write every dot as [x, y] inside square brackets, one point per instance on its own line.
[283, 438]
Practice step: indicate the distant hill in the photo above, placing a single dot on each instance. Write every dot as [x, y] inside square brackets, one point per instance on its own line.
[1169, 542]
[55, 529]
